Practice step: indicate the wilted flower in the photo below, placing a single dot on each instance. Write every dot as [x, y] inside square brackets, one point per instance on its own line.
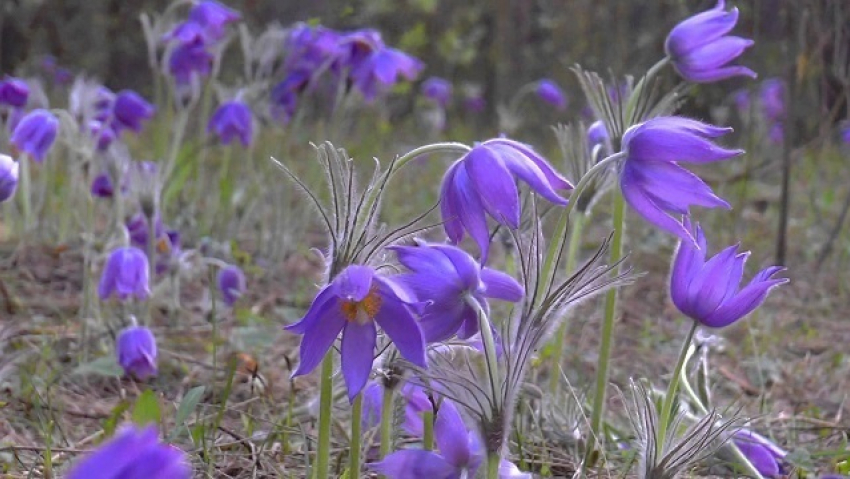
[8, 177]
[381, 69]
[438, 90]
[231, 284]
[125, 275]
[707, 291]
[654, 185]
[762, 453]
[483, 181]
[700, 48]
[352, 303]
[136, 348]
[213, 17]
[14, 92]
[130, 110]
[232, 120]
[36, 133]
[448, 278]
[551, 93]
[133, 453]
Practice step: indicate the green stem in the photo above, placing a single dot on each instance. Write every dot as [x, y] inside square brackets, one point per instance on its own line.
[323, 448]
[493, 460]
[672, 388]
[151, 247]
[489, 347]
[387, 422]
[354, 443]
[428, 430]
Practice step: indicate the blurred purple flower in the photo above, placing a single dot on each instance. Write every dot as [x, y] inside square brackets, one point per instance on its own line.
[439, 90]
[125, 275]
[129, 111]
[188, 60]
[776, 133]
[448, 278]
[772, 98]
[708, 291]
[35, 133]
[597, 134]
[231, 284]
[8, 177]
[355, 47]
[654, 185]
[232, 120]
[475, 104]
[483, 181]
[136, 348]
[133, 454]
[101, 186]
[284, 96]
[352, 303]
[551, 93]
[761, 452]
[213, 17]
[102, 133]
[381, 69]
[14, 92]
[137, 230]
[415, 403]
[845, 134]
[700, 48]
[309, 49]
[741, 99]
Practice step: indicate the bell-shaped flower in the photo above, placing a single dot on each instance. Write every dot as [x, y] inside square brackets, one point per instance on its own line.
[353, 303]
[125, 275]
[213, 17]
[654, 185]
[438, 90]
[762, 453]
[136, 348]
[189, 60]
[130, 110]
[381, 69]
[35, 133]
[701, 50]
[551, 93]
[232, 120]
[14, 92]
[133, 453]
[597, 134]
[231, 284]
[101, 186]
[448, 279]
[709, 291]
[482, 181]
[8, 177]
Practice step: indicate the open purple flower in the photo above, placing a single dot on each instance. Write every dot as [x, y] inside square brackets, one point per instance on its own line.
[439, 90]
[8, 177]
[213, 17]
[35, 133]
[231, 284]
[700, 48]
[352, 303]
[125, 275]
[133, 454]
[708, 291]
[14, 92]
[381, 69]
[654, 185]
[448, 278]
[762, 453]
[130, 110]
[551, 93]
[232, 120]
[136, 348]
[483, 181]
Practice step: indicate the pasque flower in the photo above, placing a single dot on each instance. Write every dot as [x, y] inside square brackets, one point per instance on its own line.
[762, 453]
[35, 133]
[189, 59]
[232, 120]
[381, 69]
[449, 279]
[551, 93]
[709, 291]
[125, 275]
[483, 181]
[439, 90]
[772, 98]
[8, 177]
[701, 50]
[133, 454]
[654, 185]
[352, 303]
[415, 403]
[14, 92]
[130, 110]
[231, 284]
[136, 348]
[213, 17]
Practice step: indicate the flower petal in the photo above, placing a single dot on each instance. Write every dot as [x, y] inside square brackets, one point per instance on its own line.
[448, 206]
[415, 464]
[463, 264]
[450, 434]
[709, 287]
[471, 212]
[716, 54]
[494, 184]
[442, 321]
[689, 260]
[324, 303]
[354, 282]
[700, 29]
[553, 178]
[745, 301]
[674, 186]
[637, 198]
[501, 285]
[395, 319]
[358, 353]
[529, 171]
[319, 338]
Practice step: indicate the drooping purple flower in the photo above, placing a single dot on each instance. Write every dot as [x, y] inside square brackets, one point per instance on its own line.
[708, 291]
[8, 177]
[133, 454]
[701, 50]
[597, 134]
[438, 90]
[772, 98]
[101, 186]
[231, 284]
[448, 278]
[482, 181]
[35, 133]
[129, 111]
[136, 348]
[309, 49]
[188, 60]
[284, 96]
[125, 275]
[551, 93]
[213, 17]
[14, 92]
[232, 120]
[381, 69]
[654, 185]
[762, 453]
[355, 47]
[352, 303]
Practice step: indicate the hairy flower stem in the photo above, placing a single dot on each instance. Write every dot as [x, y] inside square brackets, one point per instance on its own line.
[151, 251]
[387, 422]
[493, 460]
[174, 150]
[321, 468]
[428, 430]
[354, 442]
[672, 388]
[489, 347]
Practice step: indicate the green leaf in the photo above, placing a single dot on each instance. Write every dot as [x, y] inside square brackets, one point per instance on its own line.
[146, 410]
[187, 405]
[105, 366]
[114, 418]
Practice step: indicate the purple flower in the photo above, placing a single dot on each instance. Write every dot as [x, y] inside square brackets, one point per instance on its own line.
[352, 303]
[137, 352]
[213, 17]
[381, 69]
[101, 186]
[188, 60]
[448, 278]
[700, 48]
[231, 284]
[483, 181]
[845, 134]
[284, 96]
[355, 47]
[8, 177]
[14, 92]
[137, 229]
[133, 454]
[36, 133]
[597, 134]
[130, 110]
[310, 49]
[415, 403]
[708, 291]
[438, 90]
[475, 103]
[551, 93]
[761, 452]
[776, 133]
[232, 120]
[125, 275]
[103, 133]
[654, 185]
[772, 97]
[741, 99]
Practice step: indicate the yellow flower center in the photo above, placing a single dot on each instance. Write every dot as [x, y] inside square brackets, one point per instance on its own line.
[363, 311]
